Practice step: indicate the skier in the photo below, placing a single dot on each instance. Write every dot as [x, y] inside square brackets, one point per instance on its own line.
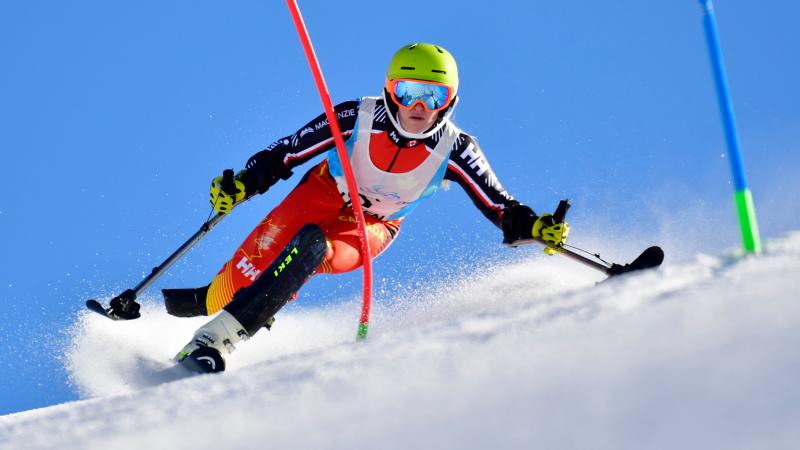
[402, 146]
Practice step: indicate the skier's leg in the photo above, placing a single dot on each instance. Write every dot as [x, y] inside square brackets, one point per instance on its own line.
[313, 200]
[256, 302]
[344, 246]
[334, 248]
[253, 307]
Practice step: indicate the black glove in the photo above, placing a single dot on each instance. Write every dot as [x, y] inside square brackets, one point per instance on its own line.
[518, 223]
[263, 170]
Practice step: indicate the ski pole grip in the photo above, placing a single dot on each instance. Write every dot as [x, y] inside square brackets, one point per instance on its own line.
[227, 184]
[561, 211]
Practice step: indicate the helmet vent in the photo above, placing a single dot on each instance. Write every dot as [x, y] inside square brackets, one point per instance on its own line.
[407, 68]
[439, 71]
[438, 49]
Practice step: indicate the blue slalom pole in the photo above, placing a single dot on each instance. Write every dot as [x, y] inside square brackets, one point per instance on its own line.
[743, 196]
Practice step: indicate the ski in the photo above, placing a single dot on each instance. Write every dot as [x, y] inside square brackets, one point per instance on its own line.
[204, 360]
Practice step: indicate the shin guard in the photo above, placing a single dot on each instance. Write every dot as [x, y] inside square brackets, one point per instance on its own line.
[256, 304]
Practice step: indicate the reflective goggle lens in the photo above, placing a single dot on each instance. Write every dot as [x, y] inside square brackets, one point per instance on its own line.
[409, 92]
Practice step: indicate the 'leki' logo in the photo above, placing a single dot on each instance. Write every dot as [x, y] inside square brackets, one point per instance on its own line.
[286, 261]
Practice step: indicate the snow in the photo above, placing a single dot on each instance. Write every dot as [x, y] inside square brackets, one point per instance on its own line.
[699, 354]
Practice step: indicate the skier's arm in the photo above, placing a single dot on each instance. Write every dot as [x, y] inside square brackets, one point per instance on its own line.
[471, 170]
[469, 167]
[276, 162]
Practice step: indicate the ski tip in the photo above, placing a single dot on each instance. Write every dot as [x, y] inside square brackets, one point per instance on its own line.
[655, 254]
[651, 258]
[97, 307]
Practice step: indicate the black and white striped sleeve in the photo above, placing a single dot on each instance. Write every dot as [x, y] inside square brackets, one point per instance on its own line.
[469, 168]
[291, 151]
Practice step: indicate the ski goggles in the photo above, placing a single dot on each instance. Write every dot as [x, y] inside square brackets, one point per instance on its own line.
[407, 93]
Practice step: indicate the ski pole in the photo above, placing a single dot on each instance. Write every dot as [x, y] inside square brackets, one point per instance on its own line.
[124, 306]
[178, 254]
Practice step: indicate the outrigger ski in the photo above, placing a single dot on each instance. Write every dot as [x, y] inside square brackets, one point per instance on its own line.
[651, 258]
[98, 307]
[123, 307]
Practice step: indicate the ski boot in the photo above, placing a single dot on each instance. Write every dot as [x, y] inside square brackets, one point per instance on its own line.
[186, 302]
[217, 337]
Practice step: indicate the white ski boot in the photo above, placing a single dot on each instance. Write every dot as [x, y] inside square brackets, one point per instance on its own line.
[210, 342]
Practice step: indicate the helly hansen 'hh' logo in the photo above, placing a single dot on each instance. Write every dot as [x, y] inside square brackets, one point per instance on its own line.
[248, 269]
[286, 261]
[476, 159]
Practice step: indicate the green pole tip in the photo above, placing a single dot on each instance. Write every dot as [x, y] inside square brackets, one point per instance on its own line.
[362, 331]
[747, 221]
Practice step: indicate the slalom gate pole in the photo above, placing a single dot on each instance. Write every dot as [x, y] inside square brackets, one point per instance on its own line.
[743, 196]
[341, 150]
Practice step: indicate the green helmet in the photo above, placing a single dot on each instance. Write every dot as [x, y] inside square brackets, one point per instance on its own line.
[424, 62]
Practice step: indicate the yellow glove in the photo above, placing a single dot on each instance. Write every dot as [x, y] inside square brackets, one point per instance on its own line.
[553, 234]
[226, 191]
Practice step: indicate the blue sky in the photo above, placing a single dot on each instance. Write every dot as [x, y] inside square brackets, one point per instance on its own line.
[115, 116]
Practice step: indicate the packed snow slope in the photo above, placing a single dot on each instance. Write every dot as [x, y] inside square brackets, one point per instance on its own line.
[701, 354]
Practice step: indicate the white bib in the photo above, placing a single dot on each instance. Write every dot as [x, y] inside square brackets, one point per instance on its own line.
[386, 195]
